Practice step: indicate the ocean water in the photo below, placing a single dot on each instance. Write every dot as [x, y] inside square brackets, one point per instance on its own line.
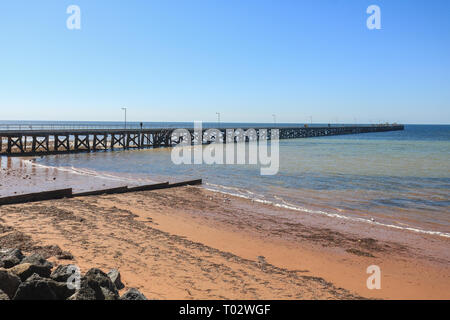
[398, 179]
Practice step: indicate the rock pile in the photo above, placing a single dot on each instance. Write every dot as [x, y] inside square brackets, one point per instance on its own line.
[32, 278]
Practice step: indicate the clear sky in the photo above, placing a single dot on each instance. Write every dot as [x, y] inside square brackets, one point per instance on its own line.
[185, 60]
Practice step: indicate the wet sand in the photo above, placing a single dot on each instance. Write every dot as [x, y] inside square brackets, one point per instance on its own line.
[22, 175]
[191, 243]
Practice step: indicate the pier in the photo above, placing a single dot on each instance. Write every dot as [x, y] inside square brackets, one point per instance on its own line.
[31, 142]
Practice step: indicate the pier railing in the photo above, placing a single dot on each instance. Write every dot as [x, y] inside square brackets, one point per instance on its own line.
[145, 125]
[40, 127]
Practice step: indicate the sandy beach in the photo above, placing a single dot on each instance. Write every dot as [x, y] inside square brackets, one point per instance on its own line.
[191, 152]
[192, 243]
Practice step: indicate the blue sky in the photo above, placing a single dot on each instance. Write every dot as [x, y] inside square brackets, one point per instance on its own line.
[185, 60]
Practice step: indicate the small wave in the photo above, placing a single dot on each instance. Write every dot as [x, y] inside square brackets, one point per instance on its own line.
[240, 191]
[90, 173]
[289, 206]
[243, 193]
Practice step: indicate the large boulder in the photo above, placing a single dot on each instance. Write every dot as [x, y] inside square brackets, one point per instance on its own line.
[3, 296]
[133, 294]
[38, 288]
[96, 285]
[89, 290]
[114, 275]
[9, 282]
[103, 280]
[10, 257]
[62, 272]
[35, 290]
[26, 270]
[37, 260]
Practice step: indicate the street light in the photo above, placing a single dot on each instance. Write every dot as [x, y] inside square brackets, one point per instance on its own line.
[125, 109]
[274, 119]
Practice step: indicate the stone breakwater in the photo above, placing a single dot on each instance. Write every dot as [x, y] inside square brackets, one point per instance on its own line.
[32, 277]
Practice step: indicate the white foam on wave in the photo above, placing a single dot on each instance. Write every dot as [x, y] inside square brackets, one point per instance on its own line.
[246, 194]
[90, 173]
[285, 205]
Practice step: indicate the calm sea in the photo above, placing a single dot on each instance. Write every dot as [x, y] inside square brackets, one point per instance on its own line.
[399, 179]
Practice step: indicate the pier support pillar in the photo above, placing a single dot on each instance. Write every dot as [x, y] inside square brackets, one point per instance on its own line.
[65, 143]
[100, 140]
[120, 140]
[36, 144]
[15, 142]
[82, 142]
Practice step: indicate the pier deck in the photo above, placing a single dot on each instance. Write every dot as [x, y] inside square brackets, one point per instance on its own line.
[55, 141]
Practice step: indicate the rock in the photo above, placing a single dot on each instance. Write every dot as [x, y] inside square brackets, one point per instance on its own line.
[37, 260]
[85, 294]
[102, 279]
[4, 252]
[26, 270]
[61, 273]
[61, 289]
[96, 285]
[109, 295]
[65, 255]
[38, 288]
[9, 282]
[133, 294]
[89, 290]
[114, 275]
[10, 257]
[34, 289]
[3, 296]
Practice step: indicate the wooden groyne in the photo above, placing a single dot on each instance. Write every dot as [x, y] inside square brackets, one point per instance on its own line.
[38, 196]
[68, 193]
[54, 141]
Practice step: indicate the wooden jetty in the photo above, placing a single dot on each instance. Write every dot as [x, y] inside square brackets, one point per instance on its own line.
[55, 141]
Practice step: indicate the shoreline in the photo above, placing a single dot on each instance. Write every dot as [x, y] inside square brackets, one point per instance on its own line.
[338, 216]
[27, 176]
[194, 232]
[22, 175]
